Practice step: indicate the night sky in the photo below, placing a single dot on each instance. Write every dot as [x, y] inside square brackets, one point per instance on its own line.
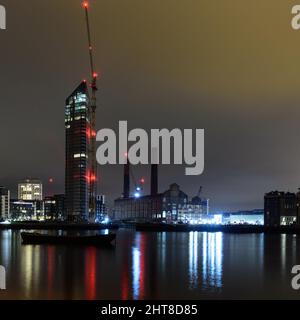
[231, 67]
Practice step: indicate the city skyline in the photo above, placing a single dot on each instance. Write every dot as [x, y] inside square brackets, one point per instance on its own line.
[252, 150]
[150, 156]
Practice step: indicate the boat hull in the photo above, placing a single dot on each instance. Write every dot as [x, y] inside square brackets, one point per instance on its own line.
[97, 240]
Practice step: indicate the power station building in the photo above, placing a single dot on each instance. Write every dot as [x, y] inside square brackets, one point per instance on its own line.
[171, 205]
[77, 125]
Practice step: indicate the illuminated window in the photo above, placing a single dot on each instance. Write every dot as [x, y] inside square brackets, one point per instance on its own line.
[80, 155]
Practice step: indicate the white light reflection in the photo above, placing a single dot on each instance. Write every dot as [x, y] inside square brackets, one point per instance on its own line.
[6, 248]
[283, 253]
[162, 251]
[212, 259]
[136, 268]
[193, 259]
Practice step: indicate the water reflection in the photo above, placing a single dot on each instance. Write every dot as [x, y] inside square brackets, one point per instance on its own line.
[5, 238]
[212, 258]
[153, 266]
[283, 251]
[50, 269]
[138, 267]
[31, 264]
[90, 273]
[193, 259]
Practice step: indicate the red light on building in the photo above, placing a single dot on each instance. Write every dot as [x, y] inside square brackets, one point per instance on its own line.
[93, 133]
[142, 181]
[85, 4]
[88, 133]
[95, 75]
[51, 180]
[90, 177]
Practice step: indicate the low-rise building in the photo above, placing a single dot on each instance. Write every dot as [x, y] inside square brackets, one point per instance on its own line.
[30, 190]
[4, 204]
[253, 217]
[55, 207]
[281, 208]
[27, 210]
[101, 208]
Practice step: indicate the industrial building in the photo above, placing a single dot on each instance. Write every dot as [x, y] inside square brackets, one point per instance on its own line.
[281, 208]
[4, 204]
[195, 211]
[171, 205]
[30, 190]
[252, 217]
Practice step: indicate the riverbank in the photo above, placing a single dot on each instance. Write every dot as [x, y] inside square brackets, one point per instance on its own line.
[57, 226]
[160, 227]
[151, 227]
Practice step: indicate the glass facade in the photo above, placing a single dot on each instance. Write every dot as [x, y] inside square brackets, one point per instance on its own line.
[77, 127]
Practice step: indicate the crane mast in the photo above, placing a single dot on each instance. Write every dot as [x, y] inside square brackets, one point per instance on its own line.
[92, 174]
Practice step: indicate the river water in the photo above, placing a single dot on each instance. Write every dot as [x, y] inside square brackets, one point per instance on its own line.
[195, 265]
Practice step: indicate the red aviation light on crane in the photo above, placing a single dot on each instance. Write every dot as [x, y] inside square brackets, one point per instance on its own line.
[85, 4]
[95, 75]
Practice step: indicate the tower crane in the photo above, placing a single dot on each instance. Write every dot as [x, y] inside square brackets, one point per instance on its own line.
[200, 192]
[92, 112]
[138, 186]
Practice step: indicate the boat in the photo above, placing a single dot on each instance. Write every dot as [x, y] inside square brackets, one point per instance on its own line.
[39, 238]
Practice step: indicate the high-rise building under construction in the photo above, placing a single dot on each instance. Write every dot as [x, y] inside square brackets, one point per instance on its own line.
[81, 166]
[77, 124]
